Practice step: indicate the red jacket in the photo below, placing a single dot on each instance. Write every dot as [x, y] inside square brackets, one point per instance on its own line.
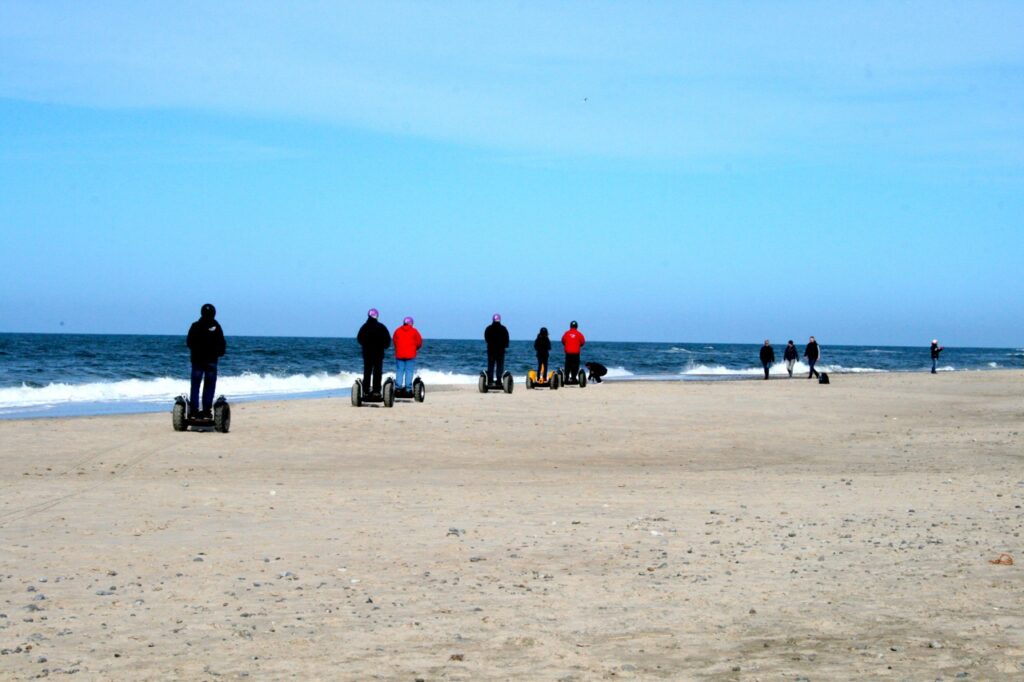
[573, 340]
[407, 342]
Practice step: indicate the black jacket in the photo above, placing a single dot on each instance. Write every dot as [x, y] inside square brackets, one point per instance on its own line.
[206, 341]
[789, 353]
[812, 352]
[542, 345]
[496, 336]
[596, 368]
[767, 354]
[935, 352]
[374, 337]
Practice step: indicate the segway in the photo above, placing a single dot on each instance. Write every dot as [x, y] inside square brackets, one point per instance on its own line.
[183, 416]
[418, 392]
[385, 397]
[545, 379]
[580, 380]
[506, 384]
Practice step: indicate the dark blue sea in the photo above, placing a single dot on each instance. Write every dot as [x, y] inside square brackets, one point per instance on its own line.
[70, 374]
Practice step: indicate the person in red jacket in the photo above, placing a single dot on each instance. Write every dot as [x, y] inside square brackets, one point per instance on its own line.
[407, 342]
[573, 340]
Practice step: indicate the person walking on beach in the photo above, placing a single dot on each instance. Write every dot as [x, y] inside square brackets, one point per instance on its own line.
[936, 349]
[812, 352]
[496, 337]
[206, 346]
[595, 370]
[542, 345]
[789, 355]
[407, 342]
[767, 357]
[374, 338]
[573, 341]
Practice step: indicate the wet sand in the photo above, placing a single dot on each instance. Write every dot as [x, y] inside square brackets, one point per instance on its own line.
[732, 530]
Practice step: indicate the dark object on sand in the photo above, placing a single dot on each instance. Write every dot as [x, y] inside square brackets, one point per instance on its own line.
[183, 415]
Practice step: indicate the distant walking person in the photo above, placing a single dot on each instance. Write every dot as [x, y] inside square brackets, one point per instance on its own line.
[573, 341]
[374, 338]
[936, 349]
[812, 352]
[206, 346]
[542, 345]
[789, 355]
[767, 357]
[496, 336]
[407, 342]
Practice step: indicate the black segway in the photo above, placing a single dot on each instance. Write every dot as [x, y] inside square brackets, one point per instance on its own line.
[580, 380]
[418, 392]
[506, 384]
[386, 396]
[183, 416]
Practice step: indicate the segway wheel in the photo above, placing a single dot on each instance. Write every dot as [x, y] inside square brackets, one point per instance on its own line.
[556, 381]
[178, 415]
[583, 379]
[419, 390]
[357, 393]
[529, 383]
[481, 383]
[221, 416]
[389, 393]
[507, 383]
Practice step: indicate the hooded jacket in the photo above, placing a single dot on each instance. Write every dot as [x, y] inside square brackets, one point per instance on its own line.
[407, 342]
[767, 354]
[789, 353]
[542, 344]
[374, 337]
[812, 352]
[496, 336]
[206, 341]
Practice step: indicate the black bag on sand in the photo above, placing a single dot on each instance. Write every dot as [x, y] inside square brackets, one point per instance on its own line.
[823, 379]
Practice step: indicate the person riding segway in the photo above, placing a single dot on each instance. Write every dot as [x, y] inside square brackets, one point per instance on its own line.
[496, 338]
[573, 341]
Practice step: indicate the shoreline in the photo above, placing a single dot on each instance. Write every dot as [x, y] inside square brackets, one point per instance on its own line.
[113, 408]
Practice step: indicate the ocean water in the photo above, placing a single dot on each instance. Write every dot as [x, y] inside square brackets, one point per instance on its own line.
[71, 374]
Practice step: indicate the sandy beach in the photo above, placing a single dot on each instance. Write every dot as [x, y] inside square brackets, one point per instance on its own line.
[741, 530]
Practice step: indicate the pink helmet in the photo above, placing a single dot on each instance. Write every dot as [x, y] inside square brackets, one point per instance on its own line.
[407, 320]
[372, 312]
[495, 317]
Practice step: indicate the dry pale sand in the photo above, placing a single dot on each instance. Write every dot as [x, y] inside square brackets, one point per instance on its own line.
[742, 530]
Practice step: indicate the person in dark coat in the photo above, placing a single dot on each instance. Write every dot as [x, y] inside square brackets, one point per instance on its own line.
[496, 337]
[595, 371]
[206, 347]
[542, 345]
[936, 349]
[790, 356]
[767, 357]
[813, 353]
[374, 338]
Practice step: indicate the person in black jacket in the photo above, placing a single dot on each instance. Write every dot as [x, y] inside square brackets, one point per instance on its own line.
[542, 344]
[596, 370]
[789, 355]
[812, 352]
[206, 346]
[936, 349]
[767, 357]
[496, 337]
[374, 338]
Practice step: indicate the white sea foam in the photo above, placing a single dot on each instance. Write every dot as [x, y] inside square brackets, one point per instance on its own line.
[675, 349]
[618, 372]
[247, 385]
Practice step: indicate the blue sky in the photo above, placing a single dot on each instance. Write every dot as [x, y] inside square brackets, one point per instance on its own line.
[659, 171]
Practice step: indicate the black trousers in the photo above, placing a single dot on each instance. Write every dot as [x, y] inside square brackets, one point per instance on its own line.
[542, 367]
[572, 364]
[373, 366]
[495, 360]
